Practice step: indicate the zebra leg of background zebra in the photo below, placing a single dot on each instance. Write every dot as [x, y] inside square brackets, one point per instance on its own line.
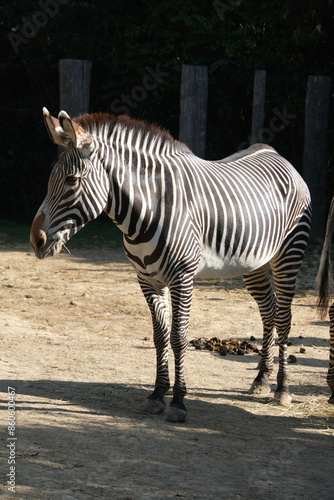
[330, 375]
[181, 296]
[157, 300]
[259, 286]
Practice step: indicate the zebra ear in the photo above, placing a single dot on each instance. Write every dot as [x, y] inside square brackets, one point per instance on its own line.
[78, 136]
[54, 129]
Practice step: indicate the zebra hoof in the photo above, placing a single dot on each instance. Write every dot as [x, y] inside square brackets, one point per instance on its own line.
[283, 398]
[153, 406]
[331, 399]
[262, 388]
[175, 414]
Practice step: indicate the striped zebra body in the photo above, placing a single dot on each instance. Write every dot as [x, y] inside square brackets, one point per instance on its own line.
[324, 289]
[182, 216]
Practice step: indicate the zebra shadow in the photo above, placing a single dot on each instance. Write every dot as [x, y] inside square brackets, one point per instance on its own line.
[88, 440]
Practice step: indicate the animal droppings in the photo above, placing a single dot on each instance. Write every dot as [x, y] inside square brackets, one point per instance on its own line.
[224, 347]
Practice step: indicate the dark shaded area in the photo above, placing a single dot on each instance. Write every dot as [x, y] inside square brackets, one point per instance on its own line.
[99, 459]
[137, 49]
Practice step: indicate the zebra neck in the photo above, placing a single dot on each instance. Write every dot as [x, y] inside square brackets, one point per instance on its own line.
[140, 165]
[137, 197]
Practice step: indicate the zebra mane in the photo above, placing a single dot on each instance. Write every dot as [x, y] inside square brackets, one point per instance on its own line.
[98, 123]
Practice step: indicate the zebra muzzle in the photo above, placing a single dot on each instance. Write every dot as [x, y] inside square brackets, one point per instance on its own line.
[38, 237]
[41, 238]
[38, 241]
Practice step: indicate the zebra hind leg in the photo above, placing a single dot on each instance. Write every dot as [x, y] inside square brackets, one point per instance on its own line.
[157, 300]
[330, 375]
[260, 288]
[285, 267]
[284, 295]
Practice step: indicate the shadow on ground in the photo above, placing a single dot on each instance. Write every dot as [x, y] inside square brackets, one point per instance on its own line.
[96, 444]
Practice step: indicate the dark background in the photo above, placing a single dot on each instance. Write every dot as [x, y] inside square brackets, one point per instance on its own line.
[122, 38]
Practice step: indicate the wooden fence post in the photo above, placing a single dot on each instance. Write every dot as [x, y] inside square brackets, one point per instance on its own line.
[259, 96]
[193, 107]
[315, 148]
[74, 85]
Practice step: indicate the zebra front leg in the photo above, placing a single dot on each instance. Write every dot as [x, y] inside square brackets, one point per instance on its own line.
[259, 286]
[157, 300]
[330, 375]
[181, 296]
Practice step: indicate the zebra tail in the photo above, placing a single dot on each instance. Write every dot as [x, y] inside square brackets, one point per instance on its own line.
[324, 279]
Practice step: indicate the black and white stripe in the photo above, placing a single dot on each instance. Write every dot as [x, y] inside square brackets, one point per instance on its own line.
[183, 216]
[324, 289]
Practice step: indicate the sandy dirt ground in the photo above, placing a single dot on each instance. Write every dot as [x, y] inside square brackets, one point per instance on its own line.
[77, 350]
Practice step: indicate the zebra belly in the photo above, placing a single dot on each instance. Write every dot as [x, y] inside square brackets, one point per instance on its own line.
[213, 265]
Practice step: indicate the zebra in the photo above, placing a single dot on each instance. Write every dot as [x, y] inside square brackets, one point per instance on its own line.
[324, 282]
[181, 216]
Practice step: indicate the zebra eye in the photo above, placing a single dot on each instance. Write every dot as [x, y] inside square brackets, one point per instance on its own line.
[71, 179]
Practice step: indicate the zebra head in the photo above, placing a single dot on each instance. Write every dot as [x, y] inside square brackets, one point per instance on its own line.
[72, 199]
